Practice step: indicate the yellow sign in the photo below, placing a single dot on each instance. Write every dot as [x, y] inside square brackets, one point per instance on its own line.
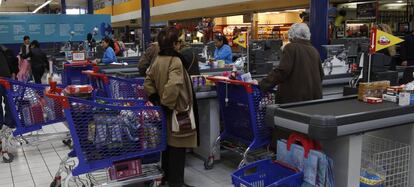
[241, 40]
[384, 40]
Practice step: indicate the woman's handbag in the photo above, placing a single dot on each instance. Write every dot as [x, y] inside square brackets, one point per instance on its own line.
[183, 122]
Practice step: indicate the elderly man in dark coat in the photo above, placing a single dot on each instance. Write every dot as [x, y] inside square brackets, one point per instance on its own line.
[299, 74]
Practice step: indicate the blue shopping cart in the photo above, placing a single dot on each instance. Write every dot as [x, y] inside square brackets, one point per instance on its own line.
[72, 73]
[106, 133]
[242, 109]
[115, 87]
[267, 173]
[29, 109]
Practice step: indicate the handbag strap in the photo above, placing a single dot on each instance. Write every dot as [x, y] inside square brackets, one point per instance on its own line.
[192, 61]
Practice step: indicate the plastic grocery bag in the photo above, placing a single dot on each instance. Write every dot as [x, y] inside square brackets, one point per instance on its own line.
[24, 70]
[316, 166]
[295, 157]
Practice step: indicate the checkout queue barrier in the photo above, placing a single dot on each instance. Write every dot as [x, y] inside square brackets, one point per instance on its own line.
[29, 111]
[355, 135]
[242, 107]
[106, 132]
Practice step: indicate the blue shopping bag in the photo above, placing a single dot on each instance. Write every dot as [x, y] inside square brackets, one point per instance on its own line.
[316, 166]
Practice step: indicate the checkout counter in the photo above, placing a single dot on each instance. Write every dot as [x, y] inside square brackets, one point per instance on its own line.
[341, 125]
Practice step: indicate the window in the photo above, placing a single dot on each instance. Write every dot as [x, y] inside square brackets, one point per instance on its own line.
[75, 11]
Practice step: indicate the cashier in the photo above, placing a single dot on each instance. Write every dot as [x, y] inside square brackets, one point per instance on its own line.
[223, 50]
[109, 54]
[299, 74]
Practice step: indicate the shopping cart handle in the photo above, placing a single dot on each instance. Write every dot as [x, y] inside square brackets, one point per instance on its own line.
[306, 143]
[225, 80]
[54, 93]
[96, 75]
[5, 84]
[79, 64]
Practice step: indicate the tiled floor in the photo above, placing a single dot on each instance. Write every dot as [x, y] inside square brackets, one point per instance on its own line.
[35, 165]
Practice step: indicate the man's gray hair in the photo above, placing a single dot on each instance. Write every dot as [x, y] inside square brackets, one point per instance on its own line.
[299, 31]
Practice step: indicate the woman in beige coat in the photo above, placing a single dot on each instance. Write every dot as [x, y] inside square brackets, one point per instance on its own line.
[168, 84]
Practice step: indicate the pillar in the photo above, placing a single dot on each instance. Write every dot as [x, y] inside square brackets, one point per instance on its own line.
[63, 6]
[255, 26]
[319, 24]
[90, 6]
[146, 23]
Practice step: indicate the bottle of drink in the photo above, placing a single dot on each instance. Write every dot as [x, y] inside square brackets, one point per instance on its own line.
[233, 74]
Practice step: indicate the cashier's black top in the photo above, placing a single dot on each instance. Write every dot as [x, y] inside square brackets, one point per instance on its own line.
[407, 48]
[299, 74]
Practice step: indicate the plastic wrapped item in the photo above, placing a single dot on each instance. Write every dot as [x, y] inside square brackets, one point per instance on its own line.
[36, 114]
[125, 170]
[83, 91]
[372, 89]
[371, 179]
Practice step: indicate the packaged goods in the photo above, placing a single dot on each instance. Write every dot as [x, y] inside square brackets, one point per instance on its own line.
[372, 100]
[404, 98]
[372, 89]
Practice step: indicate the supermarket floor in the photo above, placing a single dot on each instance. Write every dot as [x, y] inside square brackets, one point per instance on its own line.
[36, 165]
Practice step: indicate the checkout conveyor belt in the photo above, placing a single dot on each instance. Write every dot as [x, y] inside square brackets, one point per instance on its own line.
[331, 118]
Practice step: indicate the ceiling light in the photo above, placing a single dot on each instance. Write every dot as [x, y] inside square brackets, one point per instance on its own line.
[41, 6]
[399, 1]
[1, 1]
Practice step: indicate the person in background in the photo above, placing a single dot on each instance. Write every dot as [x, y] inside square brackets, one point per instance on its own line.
[148, 58]
[109, 54]
[38, 61]
[116, 47]
[12, 60]
[25, 48]
[223, 50]
[190, 59]
[121, 47]
[299, 74]
[168, 84]
[389, 51]
[407, 48]
[90, 42]
[5, 114]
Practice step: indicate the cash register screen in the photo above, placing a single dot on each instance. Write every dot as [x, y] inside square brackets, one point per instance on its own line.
[78, 56]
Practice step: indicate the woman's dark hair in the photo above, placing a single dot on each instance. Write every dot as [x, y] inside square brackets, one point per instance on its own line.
[110, 42]
[89, 37]
[342, 12]
[167, 38]
[222, 38]
[35, 44]
[26, 38]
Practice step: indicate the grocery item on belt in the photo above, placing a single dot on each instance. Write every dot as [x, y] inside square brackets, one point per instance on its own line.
[372, 100]
[390, 98]
[404, 98]
[372, 89]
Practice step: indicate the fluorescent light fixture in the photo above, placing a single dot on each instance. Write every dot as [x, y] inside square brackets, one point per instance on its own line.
[1, 1]
[41, 6]
[397, 1]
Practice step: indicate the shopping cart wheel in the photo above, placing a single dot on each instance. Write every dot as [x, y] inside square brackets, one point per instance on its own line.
[8, 157]
[67, 142]
[56, 182]
[209, 163]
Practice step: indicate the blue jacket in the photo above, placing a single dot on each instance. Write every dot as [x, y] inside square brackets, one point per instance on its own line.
[109, 56]
[224, 53]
